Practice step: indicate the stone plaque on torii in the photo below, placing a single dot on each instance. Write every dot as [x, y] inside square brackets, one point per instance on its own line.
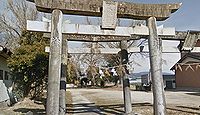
[149, 12]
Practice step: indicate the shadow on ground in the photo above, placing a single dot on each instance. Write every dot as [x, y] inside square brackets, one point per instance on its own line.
[185, 110]
[104, 109]
[191, 108]
[82, 108]
[184, 90]
[34, 111]
[118, 109]
[195, 94]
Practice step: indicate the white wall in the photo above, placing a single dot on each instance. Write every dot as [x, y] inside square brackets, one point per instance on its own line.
[4, 84]
[169, 59]
[3, 65]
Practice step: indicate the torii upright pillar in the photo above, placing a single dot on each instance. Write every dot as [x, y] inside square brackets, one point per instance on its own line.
[62, 96]
[155, 52]
[54, 63]
[126, 84]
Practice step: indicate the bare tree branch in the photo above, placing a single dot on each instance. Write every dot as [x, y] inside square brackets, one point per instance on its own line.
[13, 20]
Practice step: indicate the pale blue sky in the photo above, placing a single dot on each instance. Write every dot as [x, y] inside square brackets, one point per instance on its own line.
[186, 18]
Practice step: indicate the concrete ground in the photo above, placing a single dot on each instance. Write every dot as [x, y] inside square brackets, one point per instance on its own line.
[109, 101]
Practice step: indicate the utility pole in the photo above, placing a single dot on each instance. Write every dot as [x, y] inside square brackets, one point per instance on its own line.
[54, 63]
[126, 84]
[155, 52]
[62, 96]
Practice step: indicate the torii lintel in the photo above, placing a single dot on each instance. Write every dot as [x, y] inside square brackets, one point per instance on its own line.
[94, 8]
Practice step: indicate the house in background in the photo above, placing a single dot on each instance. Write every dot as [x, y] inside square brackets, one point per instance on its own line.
[144, 78]
[168, 80]
[5, 80]
[187, 69]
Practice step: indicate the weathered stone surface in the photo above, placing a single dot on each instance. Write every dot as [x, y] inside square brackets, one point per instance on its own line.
[94, 8]
[54, 63]
[109, 15]
[165, 49]
[77, 32]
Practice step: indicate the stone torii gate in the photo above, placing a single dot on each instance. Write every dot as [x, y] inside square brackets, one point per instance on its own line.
[109, 12]
[74, 32]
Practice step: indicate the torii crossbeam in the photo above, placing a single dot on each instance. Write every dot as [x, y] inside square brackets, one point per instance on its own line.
[94, 8]
[166, 49]
[88, 32]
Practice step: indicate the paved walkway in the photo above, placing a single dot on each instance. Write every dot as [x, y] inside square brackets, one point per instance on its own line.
[82, 106]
